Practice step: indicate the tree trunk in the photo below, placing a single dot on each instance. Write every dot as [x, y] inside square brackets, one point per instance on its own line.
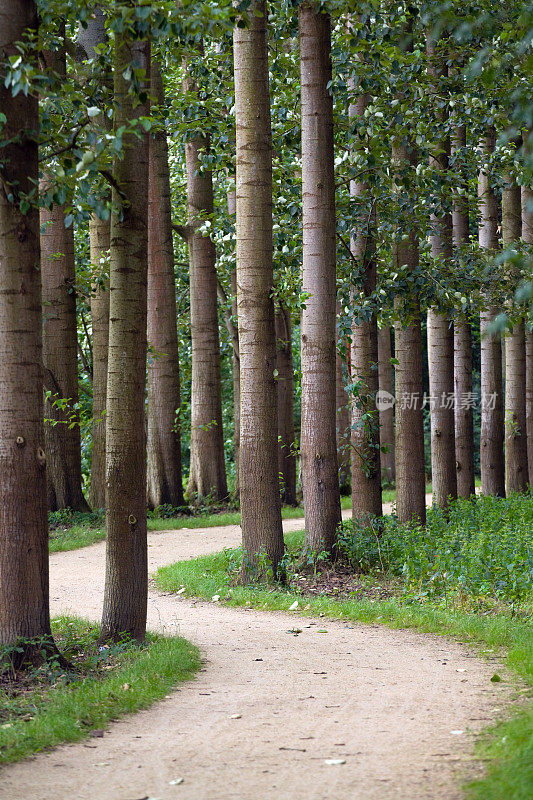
[527, 236]
[99, 236]
[126, 580]
[342, 405]
[207, 477]
[366, 461]
[60, 350]
[24, 611]
[492, 430]
[234, 334]
[386, 414]
[462, 365]
[318, 441]
[409, 444]
[285, 380]
[516, 469]
[262, 532]
[164, 484]
[440, 337]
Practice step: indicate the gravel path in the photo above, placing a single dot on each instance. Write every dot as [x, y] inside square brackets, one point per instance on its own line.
[398, 708]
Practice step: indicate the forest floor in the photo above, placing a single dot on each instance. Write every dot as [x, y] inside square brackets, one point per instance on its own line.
[392, 711]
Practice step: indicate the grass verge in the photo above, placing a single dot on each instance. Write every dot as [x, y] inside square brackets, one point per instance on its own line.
[49, 706]
[72, 531]
[508, 748]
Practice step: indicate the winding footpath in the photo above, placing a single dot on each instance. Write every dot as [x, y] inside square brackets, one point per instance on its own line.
[270, 708]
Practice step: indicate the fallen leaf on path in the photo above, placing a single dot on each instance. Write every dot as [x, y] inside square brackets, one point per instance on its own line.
[180, 591]
[294, 606]
[333, 762]
[176, 782]
[297, 749]
[97, 733]
[495, 678]
[215, 598]
[236, 716]
[456, 733]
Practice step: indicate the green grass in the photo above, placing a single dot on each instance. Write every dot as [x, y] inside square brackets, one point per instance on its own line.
[508, 747]
[70, 531]
[52, 707]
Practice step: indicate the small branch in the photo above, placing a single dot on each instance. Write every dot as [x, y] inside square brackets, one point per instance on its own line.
[185, 231]
[84, 323]
[86, 365]
[67, 146]
[113, 183]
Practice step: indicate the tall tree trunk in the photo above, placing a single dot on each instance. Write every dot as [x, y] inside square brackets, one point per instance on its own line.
[234, 333]
[163, 440]
[386, 414]
[366, 462]
[440, 336]
[492, 430]
[60, 350]
[262, 532]
[409, 443]
[24, 611]
[516, 469]
[88, 39]
[286, 453]
[126, 580]
[463, 407]
[207, 477]
[527, 236]
[99, 237]
[342, 405]
[318, 442]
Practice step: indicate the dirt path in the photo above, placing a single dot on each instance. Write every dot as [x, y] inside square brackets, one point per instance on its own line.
[386, 702]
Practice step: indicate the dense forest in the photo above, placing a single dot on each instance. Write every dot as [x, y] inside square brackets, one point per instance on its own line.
[254, 256]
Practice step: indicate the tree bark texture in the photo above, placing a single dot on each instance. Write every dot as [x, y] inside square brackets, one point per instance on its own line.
[24, 608]
[462, 363]
[409, 442]
[126, 580]
[60, 350]
[207, 476]
[285, 380]
[366, 460]
[320, 481]
[260, 499]
[516, 468]
[99, 237]
[342, 405]
[492, 428]
[164, 481]
[386, 415]
[527, 236]
[88, 39]
[440, 338]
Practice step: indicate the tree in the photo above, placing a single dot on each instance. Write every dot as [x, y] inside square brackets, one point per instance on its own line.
[527, 236]
[366, 463]
[60, 346]
[89, 38]
[516, 470]
[318, 442]
[163, 440]
[439, 326]
[492, 431]
[207, 477]
[342, 404]
[386, 414]
[262, 533]
[24, 610]
[285, 376]
[126, 580]
[409, 442]
[462, 341]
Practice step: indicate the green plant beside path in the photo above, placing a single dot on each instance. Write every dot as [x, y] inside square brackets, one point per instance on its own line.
[51, 705]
